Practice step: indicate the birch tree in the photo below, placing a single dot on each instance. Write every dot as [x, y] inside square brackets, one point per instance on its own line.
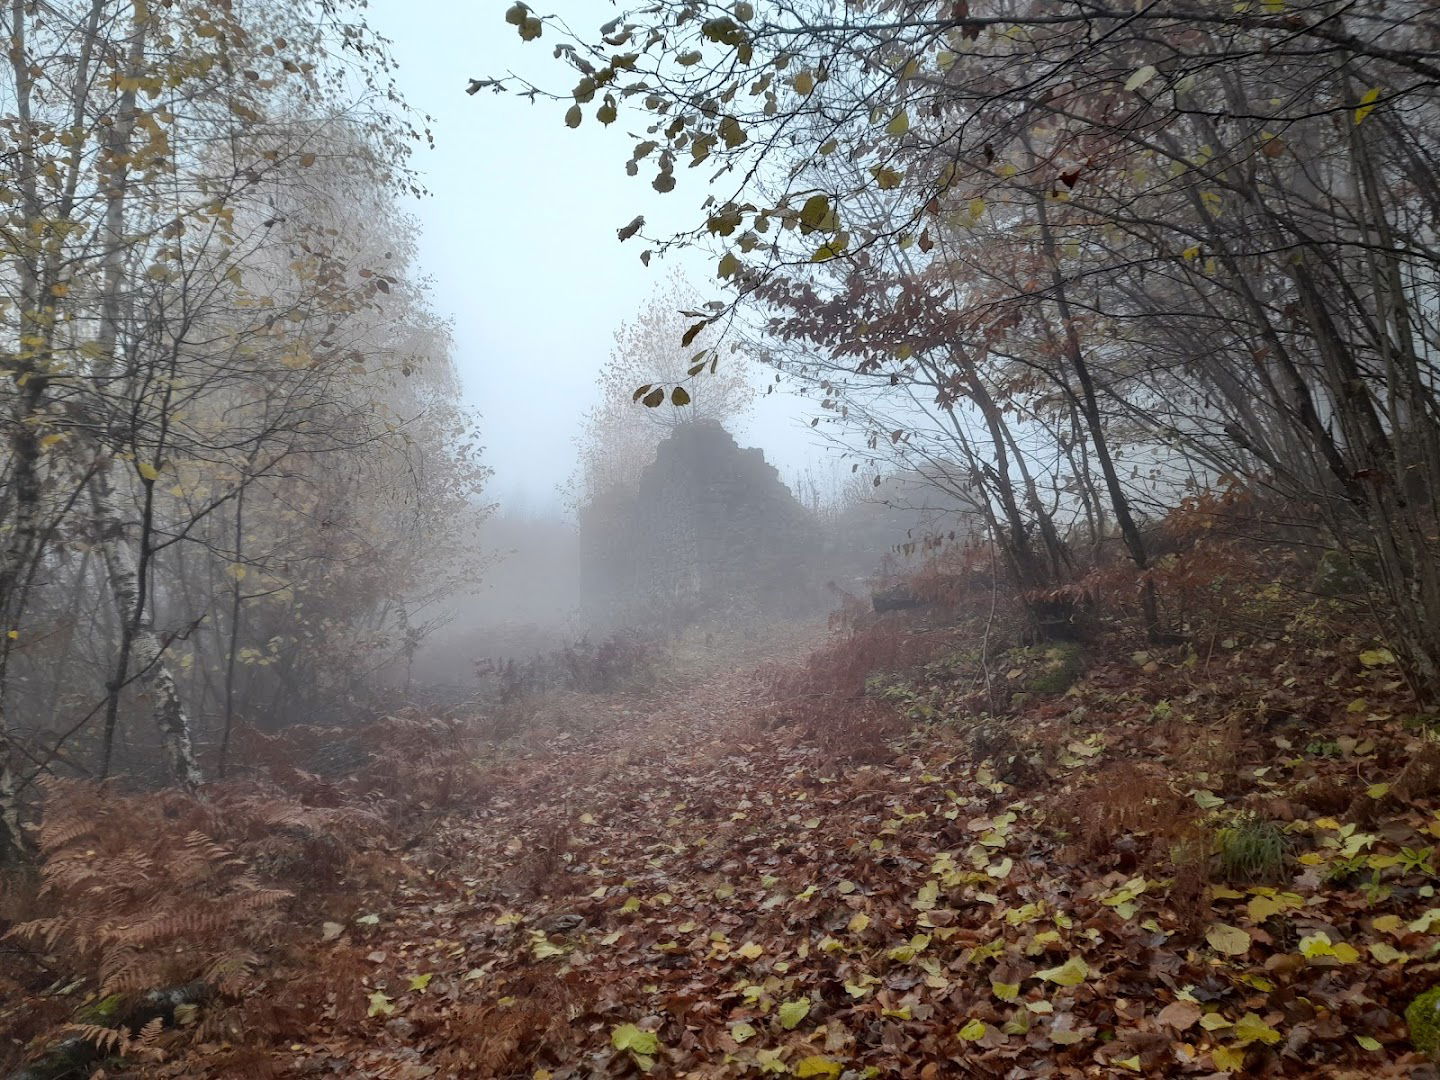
[185, 320]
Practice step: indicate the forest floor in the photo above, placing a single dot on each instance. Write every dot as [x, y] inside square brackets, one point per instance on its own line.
[1187, 862]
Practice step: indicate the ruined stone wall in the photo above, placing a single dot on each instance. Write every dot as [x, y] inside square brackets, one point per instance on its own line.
[708, 531]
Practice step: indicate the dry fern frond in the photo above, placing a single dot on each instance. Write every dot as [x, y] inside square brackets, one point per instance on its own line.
[146, 1041]
[107, 1040]
[151, 899]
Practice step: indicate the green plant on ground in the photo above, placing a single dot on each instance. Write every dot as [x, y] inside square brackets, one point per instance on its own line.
[1375, 891]
[1250, 849]
[1341, 869]
[1417, 860]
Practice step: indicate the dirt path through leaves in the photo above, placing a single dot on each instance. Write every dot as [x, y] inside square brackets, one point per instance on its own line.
[693, 890]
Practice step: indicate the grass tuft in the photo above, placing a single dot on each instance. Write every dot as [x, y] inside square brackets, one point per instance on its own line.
[1251, 849]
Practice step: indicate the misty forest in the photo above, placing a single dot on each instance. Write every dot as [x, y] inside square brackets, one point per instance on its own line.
[733, 538]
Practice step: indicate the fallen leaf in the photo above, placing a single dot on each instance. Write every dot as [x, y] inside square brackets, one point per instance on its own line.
[629, 1037]
[818, 1066]
[1180, 1014]
[1070, 973]
[1227, 939]
[792, 1012]
[974, 1031]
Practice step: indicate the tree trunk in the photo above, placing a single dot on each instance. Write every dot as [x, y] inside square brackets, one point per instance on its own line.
[139, 645]
[1090, 410]
[233, 653]
[13, 845]
[140, 648]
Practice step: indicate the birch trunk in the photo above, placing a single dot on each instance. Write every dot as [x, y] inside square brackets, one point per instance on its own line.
[21, 510]
[140, 647]
[12, 837]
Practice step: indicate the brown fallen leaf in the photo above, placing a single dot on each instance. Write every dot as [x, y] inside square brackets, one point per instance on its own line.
[1180, 1014]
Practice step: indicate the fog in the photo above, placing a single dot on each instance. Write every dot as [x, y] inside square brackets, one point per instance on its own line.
[525, 265]
[524, 260]
[819, 538]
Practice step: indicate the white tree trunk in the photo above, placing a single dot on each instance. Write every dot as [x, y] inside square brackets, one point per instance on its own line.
[12, 839]
[147, 654]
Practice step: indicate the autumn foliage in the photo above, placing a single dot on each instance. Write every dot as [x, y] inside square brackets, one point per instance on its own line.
[1139, 774]
[903, 846]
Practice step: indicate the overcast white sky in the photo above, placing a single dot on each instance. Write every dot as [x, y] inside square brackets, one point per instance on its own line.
[519, 237]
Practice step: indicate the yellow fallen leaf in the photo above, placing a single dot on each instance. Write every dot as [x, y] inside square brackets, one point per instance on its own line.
[1228, 1059]
[1250, 1028]
[1005, 991]
[818, 1066]
[792, 1012]
[1070, 973]
[629, 1037]
[1387, 954]
[1227, 939]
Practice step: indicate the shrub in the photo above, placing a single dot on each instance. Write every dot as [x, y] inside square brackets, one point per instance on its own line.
[422, 764]
[405, 763]
[539, 868]
[624, 660]
[1190, 866]
[828, 696]
[511, 1039]
[1213, 753]
[1053, 669]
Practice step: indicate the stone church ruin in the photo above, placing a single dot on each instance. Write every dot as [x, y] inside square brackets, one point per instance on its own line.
[708, 530]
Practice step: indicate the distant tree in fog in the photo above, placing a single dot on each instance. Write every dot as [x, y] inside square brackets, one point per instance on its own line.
[620, 435]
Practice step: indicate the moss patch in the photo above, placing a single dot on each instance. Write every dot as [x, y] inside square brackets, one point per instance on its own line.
[1423, 1019]
[1052, 669]
[103, 1011]
[1338, 574]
